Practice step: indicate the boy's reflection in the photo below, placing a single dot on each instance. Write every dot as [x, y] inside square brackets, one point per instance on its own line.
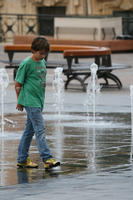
[28, 175]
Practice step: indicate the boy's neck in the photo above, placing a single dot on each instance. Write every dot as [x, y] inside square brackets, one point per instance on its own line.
[34, 58]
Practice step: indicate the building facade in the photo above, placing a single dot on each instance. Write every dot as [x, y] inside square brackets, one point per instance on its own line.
[38, 16]
[71, 7]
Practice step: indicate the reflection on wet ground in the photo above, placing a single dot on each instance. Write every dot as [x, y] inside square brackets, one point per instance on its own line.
[81, 147]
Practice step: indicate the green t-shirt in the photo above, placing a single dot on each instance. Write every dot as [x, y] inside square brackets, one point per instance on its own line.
[32, 76]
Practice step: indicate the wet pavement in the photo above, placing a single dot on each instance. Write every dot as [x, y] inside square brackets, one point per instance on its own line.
[96, 159]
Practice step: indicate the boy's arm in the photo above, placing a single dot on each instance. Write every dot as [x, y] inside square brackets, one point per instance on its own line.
[17, 89]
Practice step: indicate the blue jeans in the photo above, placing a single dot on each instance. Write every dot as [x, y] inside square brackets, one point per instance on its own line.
[34, 125]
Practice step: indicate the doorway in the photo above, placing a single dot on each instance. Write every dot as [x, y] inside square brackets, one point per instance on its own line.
[46, 19]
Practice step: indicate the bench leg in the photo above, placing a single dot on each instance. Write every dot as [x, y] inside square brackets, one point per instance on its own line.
[75, 78]
[110, 76]
[86, 76]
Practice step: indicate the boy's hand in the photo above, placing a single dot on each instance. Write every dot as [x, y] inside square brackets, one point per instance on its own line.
[19, 107]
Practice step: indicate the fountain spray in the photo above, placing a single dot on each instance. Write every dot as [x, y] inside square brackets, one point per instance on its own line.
[58, 86]
[4, 81]
[93, 87]
[131, 95]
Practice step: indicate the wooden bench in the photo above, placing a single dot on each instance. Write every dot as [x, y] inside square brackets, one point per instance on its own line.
[74, 30]
[56, 48]
[78, 71]
[23, 48]
[105, 67]
[115, 45]
[27, 39]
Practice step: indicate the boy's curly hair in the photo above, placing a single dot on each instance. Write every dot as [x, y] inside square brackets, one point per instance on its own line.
[40, 44]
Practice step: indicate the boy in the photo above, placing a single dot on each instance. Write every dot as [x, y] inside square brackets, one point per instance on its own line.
[30, 85]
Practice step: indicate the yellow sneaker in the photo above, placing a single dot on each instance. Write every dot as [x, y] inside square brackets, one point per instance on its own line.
[28, 163]
[50, 163]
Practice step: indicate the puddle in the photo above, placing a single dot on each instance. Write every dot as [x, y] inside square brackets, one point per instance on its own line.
[80, 146]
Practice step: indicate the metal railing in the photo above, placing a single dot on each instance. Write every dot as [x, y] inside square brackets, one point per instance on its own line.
[11, 24]
[20, 24]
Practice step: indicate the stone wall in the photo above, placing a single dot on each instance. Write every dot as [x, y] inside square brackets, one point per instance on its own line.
[73, 7]
[11, 25]
[106, 7]
[30, 6]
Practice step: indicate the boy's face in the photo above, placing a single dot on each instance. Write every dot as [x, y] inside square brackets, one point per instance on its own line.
[39, 55]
